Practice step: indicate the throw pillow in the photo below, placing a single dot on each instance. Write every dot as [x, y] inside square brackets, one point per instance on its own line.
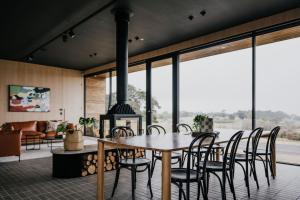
[52, 126]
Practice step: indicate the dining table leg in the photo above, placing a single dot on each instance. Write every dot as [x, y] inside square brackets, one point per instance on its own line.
[100, 173]
[166, 175]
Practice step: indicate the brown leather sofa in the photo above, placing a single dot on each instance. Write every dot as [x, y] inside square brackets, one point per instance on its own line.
[10, 143]
[34, 128]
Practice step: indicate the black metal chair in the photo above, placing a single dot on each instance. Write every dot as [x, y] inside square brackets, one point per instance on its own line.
[188, 175]
[130, 162]
[156, 155]
[268, 153]
[249, 158]
[225, 166]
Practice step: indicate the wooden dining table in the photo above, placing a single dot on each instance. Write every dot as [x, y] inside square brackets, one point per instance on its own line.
[165, 143]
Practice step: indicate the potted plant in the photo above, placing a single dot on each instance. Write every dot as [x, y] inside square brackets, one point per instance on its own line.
[202, 124]
[90, 125]
[73, 140]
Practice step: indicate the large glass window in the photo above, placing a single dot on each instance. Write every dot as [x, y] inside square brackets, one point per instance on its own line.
[162, 93]
[278, 72]
[137, 90]
[217, 82]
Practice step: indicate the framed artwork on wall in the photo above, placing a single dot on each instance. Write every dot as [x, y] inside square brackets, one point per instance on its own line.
[28, 99]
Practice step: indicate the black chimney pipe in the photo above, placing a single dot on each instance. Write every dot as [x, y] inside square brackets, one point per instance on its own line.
[122, 17]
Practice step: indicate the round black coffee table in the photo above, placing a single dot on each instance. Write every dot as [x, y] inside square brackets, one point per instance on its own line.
[69, 164]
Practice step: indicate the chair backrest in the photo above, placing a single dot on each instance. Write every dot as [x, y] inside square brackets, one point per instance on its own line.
[155, 129]
[253, 141]
[230, 150]
[183, 128]
[272, 139]
[123, 131]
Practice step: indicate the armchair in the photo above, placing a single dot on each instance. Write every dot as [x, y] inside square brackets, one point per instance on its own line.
[10, 143]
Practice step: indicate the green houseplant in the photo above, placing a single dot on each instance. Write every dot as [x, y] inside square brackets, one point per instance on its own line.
[197, 122]
[90, 125]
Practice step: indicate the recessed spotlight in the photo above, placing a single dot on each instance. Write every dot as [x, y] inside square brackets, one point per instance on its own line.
[64, 38]
[130, 40]
[142, 39]
[72, 34]
[203, 12]
[29, 58]
[136, 37]
[191, 17]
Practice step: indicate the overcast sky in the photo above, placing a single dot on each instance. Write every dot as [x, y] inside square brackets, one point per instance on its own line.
[223, 82]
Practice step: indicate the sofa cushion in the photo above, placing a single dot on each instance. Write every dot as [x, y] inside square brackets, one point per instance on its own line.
[24, 126]
[25, 133]
[42, 126]
[51, 134]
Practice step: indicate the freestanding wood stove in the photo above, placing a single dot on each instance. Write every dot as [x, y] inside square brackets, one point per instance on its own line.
[121, 111]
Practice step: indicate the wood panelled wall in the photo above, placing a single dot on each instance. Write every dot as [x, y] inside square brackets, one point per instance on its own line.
[66, 90]
[95, 96]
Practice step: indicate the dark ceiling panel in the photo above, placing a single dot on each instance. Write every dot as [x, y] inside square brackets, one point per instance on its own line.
[25, 25]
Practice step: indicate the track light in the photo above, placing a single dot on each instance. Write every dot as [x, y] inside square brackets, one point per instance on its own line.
[72, 34]
[64, 38]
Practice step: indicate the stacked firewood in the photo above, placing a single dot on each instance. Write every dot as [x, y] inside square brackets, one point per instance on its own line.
[90, 164]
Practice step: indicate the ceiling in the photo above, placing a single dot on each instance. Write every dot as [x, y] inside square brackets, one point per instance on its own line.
[26, 26]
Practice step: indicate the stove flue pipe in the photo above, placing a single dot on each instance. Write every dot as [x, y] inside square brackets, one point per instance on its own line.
[122, 18]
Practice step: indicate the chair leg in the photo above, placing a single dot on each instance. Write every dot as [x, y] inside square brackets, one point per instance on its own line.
[254, 173]
[153, 166]
[116, 181]
[133, 182]
[267, 169]
[180, 191]
[207, 183]
[198, 190]
[149, 180]
[19, 158]
[271, 167]
[203, 189]
[230, 182]
[246, 178]
[223, 186]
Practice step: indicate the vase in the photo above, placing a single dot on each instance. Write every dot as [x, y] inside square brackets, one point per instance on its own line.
[73, 140]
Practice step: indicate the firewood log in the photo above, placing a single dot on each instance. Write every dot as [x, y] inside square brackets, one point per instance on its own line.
[91, 169]
[109, 167]
[84, 173]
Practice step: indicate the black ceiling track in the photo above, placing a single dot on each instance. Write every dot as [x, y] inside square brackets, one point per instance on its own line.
[74, 26]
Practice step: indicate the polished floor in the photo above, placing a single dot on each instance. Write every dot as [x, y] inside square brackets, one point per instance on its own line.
[31, 179]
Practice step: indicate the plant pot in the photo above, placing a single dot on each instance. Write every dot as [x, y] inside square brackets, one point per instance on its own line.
[196, 134]
[73, 141]
[207, 125]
